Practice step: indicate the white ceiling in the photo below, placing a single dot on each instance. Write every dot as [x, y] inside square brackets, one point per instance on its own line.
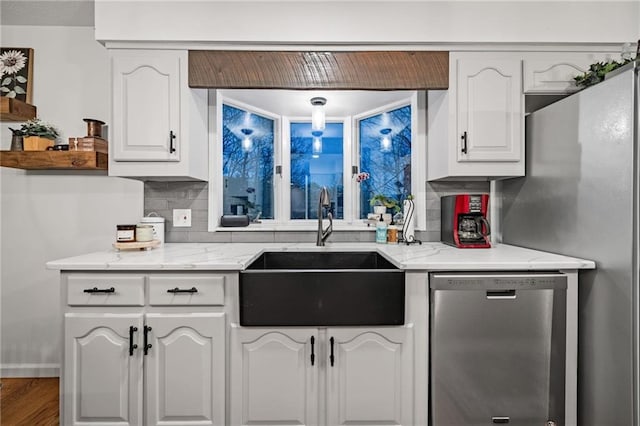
[296, 103]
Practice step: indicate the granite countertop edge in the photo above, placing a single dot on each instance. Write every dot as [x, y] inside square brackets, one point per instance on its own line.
[431, 256]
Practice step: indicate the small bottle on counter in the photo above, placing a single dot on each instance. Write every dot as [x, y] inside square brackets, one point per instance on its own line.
[125, 233]
[381, 231]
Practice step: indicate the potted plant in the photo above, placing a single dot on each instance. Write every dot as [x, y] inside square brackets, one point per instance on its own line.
[381, 203]
[38, 135]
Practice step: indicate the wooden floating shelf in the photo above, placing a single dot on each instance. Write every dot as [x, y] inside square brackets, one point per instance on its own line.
[15, 110]
[54, 160]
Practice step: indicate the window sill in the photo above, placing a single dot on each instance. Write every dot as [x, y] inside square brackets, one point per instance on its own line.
[268, 226]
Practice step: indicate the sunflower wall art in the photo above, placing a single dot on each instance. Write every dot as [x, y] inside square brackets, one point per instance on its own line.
[16, 73]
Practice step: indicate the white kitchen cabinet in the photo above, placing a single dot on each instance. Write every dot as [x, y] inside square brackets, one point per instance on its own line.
[131, 364]
[360, 376]
[185, 369]
[102, 378]
[158, 124]
[554, 72]
[476, 128]
[371, 381]
[273, 381]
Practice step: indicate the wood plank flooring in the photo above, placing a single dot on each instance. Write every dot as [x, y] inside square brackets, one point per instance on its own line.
[29, 402]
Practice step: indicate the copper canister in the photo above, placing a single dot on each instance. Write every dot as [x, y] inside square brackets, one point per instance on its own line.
[94, 127]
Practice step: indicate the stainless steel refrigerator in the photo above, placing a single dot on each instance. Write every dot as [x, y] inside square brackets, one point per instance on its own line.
[580, 198]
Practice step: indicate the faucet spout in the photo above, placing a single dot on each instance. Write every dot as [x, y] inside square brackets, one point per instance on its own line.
[324, 201]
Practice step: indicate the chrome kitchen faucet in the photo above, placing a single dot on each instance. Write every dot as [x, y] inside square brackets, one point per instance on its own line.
[324, 201]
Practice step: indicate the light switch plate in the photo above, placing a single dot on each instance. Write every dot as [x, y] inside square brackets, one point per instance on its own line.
[181, 218]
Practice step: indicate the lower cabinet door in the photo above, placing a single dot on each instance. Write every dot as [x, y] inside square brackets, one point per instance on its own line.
[273, 378]
[184, 369]
[371, 379]
[102, 370]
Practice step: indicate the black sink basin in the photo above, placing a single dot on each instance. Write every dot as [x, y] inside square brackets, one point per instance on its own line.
[320, 260]
[321, 289]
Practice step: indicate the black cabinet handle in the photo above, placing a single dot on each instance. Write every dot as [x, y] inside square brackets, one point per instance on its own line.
[464, 142]
[313, 355]
[172, 138]
[147, 345]
[100, 290]
[182, 290]
[132, 345]
[331, 357]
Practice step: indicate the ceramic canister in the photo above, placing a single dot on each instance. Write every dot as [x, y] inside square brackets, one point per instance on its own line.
[144, 232]
[158, 226]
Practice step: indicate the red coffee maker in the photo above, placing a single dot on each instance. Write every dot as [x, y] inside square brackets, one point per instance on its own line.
[464, 220]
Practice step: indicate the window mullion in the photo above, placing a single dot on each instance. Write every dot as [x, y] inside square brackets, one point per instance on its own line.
[285, 177]
[349, 189]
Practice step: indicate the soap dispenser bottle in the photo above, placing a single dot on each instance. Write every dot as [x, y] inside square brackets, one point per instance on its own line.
[381, 231]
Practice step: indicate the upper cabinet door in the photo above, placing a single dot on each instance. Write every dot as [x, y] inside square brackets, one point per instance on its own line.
[555, 72]
[489, 109]
[146, 105]
[370, 381]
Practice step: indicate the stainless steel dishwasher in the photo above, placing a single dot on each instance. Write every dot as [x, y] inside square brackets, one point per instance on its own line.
[497, 348]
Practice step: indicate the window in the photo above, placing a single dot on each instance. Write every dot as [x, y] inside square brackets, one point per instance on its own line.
[385, 154]
[316, 161]
[247, 163]
[270, 166]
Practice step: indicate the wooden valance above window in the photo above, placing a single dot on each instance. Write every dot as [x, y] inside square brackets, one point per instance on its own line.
[362, 70]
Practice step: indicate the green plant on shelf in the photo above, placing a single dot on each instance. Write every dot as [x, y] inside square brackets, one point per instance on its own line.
[37, 127]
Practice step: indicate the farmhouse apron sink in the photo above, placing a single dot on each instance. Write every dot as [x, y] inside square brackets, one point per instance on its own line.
[321, 289]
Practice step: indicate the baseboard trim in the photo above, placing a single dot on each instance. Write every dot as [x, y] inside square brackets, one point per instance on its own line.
[29, 370]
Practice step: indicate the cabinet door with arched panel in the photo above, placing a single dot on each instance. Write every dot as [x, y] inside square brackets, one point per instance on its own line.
[370, 376]
[102, 370]
[274, 376]
[184, 368]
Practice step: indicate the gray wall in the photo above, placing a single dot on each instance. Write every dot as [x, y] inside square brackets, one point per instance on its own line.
[48, 215]
[163, 197]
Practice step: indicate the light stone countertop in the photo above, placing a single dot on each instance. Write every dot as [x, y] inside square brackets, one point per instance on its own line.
[236, 256]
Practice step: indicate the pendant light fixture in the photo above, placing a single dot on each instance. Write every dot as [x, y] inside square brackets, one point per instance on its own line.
[316, 147]
[247, 143]
[317, 113]
[385, 141]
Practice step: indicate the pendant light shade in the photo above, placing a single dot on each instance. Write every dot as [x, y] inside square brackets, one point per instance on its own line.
[317, 113]
[247, 143]
[316, 147]
[385, 140]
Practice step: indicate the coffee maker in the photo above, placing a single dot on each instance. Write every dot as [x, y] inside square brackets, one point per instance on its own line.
[464, 220]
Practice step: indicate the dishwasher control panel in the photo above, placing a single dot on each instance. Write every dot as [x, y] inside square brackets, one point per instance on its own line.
[497, 280]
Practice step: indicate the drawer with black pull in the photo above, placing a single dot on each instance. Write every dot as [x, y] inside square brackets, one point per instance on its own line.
[187, 290]
[105, 290]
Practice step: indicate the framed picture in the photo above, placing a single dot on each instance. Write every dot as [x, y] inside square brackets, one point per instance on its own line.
[16, 73]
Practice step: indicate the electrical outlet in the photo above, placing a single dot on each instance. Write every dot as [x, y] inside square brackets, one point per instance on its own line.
[181, 218]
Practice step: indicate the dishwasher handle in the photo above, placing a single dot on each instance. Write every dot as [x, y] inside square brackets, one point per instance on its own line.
[501, 294]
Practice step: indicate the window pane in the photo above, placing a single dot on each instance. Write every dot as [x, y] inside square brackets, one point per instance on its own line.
[316, 162]
[247, 163]
[385, 153]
